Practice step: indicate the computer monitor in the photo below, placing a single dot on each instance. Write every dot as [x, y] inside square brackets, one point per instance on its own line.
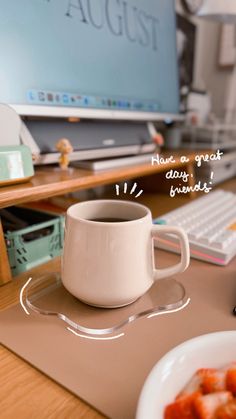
[111, 59]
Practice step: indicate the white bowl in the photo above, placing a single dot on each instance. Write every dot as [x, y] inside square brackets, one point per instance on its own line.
[173, 371]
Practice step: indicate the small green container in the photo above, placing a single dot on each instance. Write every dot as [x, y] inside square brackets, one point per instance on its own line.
[39, 241]
[15, 164]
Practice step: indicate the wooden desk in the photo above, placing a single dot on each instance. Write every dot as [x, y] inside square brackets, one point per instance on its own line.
[26, 393]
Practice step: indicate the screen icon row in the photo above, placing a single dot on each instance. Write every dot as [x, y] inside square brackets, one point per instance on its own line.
[43, 97]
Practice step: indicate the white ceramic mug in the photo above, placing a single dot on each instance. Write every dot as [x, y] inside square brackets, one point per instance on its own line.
[111, 264]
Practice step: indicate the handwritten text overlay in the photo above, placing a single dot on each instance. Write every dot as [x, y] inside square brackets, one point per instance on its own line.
[184, 176]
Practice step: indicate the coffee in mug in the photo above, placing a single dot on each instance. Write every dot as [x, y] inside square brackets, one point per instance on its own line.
[108, 256]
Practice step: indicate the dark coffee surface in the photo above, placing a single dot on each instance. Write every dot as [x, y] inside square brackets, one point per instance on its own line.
[108, 220]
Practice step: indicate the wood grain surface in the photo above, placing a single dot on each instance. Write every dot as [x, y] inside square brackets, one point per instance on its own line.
[26, 393]
[51, 181]
[5, 271]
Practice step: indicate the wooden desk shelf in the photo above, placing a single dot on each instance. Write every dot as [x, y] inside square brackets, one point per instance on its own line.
[51, 181]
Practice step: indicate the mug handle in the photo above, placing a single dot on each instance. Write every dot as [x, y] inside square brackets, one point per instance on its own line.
[184, 246]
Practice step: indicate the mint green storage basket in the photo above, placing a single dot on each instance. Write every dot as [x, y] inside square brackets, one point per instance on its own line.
[36, 244]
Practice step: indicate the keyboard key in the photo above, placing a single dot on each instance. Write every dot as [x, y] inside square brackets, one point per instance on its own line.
[207, 222]
[224, 239]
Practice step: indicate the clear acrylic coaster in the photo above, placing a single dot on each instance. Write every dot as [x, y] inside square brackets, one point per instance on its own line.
[47, 296]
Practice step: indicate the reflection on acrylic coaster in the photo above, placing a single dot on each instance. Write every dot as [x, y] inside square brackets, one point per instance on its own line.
[47, 296]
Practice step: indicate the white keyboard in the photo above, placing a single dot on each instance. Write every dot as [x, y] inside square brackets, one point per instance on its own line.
[210, 223]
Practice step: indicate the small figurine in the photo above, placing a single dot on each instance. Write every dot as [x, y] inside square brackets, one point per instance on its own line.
[65, 148]
[158, 139]
[156, 136]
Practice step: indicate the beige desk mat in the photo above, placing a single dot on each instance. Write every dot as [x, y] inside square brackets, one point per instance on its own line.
[109, 374]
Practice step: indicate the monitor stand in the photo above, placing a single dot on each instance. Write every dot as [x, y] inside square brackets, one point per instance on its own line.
[90, 139]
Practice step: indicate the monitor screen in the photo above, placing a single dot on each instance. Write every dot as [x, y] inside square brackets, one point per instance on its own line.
[89, 58]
